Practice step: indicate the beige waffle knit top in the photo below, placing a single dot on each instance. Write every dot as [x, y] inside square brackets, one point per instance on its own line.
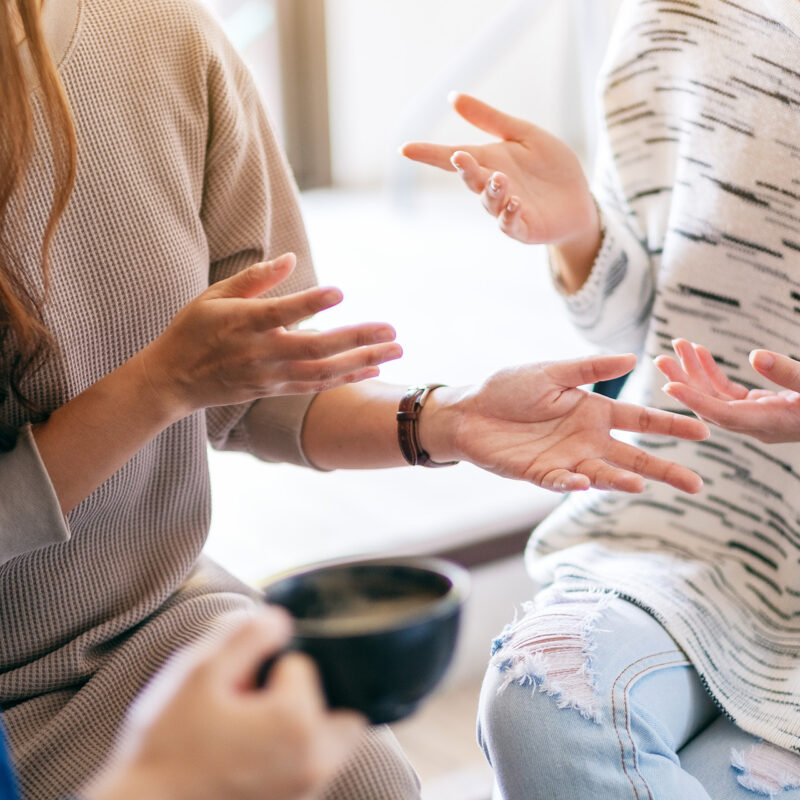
[180, 183]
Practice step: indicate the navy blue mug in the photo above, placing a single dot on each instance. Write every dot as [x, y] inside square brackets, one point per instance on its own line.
[381, 631]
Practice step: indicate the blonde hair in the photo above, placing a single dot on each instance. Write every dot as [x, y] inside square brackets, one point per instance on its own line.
[24, 341]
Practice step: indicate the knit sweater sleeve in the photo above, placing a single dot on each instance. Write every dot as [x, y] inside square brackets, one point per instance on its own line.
[30, 514]
[613, 306]
[250, 212]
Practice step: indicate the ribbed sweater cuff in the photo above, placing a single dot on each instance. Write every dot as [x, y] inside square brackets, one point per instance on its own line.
[274, 427]
[30, 514]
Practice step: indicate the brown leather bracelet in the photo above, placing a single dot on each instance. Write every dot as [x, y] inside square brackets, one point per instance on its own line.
[407, 433]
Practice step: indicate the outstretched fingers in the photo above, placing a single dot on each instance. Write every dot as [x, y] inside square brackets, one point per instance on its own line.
[778, 368]
[670, 369]
[719, 380]
[313, 345]
[632, 459]
[584, 371]
[735, 415]
[277, 312]
[435, 155]
[490, 119]
[627, 417]
[610, 477]
[326, 373]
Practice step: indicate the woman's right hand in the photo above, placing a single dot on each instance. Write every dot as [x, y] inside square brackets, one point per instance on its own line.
[229, 345]
[530, 181]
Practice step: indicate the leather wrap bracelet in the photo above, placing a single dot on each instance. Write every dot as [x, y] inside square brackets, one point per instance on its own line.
[407, 430]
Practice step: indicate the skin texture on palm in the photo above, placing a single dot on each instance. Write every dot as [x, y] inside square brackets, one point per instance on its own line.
[534, 423]
[696, 380]
[529, 180]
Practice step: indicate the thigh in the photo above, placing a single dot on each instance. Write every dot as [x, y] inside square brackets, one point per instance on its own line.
[378, 770]
[590, 699]
[733, 765]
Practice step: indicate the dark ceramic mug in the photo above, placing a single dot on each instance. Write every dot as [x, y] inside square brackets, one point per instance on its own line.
[382, 631]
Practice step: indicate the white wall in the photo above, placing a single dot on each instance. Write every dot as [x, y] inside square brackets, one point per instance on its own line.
[386, 57]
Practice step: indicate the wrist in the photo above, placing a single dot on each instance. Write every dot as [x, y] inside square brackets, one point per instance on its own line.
[574, 257]
[161, 391]
[437, 426]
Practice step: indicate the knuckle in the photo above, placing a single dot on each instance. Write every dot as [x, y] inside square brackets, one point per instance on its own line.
[640, 462]
[645, 420]
[313, 349]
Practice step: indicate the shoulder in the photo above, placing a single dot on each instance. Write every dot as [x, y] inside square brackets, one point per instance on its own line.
[175, 29]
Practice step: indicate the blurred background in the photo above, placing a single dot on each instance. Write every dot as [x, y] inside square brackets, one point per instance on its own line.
[346, 82]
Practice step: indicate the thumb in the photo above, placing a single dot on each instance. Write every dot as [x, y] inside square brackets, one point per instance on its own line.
[256, 279]
[490, 119]
[583, 371]
[778, 368]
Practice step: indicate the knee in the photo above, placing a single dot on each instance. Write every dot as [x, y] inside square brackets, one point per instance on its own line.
[517, 720]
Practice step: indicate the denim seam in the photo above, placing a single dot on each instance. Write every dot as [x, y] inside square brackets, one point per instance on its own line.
[626, 694]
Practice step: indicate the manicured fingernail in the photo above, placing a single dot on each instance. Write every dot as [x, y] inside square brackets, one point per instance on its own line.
[512, 206]
[456, 164]
[494, 186]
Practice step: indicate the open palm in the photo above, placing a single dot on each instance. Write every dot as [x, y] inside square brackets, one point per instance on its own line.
[533, 423]
[696, 380]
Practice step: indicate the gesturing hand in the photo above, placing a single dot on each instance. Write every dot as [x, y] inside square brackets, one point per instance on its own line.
[533, 423]
[697, 381]
[229, 345]
[529, 180]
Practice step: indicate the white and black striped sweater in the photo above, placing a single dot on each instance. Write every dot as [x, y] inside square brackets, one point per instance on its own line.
[699, 180]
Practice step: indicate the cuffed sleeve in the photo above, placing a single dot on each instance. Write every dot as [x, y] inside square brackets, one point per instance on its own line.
[30, 514]
[613, 307]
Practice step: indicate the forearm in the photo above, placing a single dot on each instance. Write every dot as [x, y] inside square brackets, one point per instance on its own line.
[89, 438]
[355, 427]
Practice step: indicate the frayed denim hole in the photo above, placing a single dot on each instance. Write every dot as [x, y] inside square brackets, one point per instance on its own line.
[767, 769]
[549, 648]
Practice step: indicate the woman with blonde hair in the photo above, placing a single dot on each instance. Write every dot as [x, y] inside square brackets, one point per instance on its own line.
[153, 264]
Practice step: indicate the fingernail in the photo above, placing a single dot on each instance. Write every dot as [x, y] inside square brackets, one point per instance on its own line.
[384, 335]
[761, 359]
[456, 164]
[494, 186]
[512, 206]
[332, 296]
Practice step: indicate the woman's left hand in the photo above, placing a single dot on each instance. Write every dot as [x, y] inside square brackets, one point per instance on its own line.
[533, 423]
[696, 380]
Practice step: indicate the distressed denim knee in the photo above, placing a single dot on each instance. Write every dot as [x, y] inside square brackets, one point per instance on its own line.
[557, 718]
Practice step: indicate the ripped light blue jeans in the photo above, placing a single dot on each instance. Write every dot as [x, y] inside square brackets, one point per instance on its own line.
[587, 697]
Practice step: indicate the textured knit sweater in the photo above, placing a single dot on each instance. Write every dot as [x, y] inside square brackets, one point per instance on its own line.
[699, 181]
[180, 183]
